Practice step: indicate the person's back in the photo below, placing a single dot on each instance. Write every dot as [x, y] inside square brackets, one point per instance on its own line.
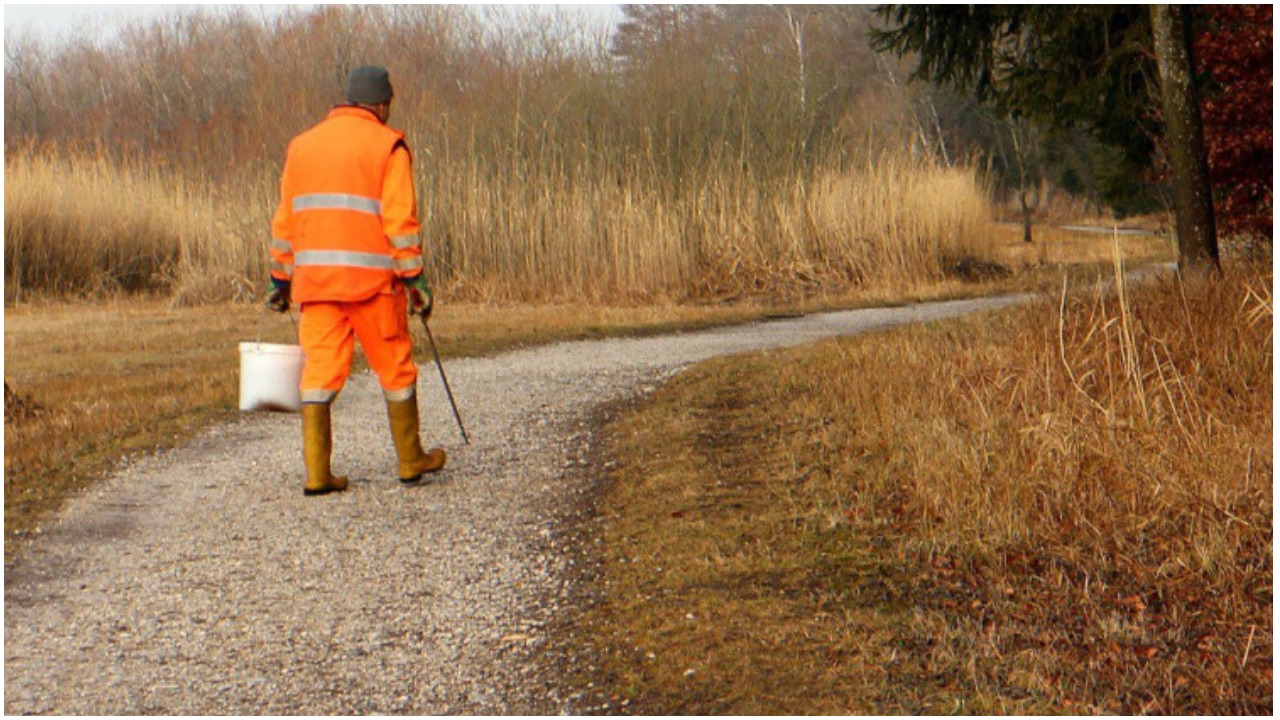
[348, 148]
[333, 185]
[345, 247]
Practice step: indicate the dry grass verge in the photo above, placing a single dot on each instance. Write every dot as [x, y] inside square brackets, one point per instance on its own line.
[1057, 245]
[1065, 508]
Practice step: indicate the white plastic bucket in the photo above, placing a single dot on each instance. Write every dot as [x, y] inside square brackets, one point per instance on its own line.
[269, 377]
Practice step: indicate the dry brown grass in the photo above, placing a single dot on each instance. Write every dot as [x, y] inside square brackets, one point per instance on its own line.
[1057, 245]
[1064, 508]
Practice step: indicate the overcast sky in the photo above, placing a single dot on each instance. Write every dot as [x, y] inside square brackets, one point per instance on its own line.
[101, 21]
[90, 22]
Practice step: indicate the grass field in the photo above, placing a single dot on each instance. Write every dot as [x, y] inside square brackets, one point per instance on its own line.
[1064, 508]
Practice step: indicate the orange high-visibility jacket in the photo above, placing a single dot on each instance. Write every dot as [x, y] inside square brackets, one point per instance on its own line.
[347, 223]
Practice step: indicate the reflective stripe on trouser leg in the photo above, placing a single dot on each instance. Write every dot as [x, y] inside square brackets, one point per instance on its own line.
[399, 395]
[327, 342]
[382, 325]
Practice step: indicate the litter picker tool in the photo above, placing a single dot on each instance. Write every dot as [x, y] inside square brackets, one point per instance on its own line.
[445, 380]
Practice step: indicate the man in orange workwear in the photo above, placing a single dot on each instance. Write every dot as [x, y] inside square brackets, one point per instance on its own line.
[345, 247]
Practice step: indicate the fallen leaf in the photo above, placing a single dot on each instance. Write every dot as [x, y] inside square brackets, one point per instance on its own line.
[1134, 603]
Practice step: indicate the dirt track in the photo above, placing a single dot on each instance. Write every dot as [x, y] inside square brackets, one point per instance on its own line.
[201, 581]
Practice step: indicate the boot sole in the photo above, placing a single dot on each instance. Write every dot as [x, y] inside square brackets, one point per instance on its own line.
[307, 492]
[416, 478]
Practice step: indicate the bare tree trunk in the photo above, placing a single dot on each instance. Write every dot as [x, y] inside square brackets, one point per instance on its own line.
[921, 129]
[937, 128]
[796, 27]
[1026, 214]
[1023, 145]
[1184, 136]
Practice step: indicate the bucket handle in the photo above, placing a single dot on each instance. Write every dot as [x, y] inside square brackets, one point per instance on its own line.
[297, 333]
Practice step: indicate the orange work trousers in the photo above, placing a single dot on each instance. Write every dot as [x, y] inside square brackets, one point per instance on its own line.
[328, 331]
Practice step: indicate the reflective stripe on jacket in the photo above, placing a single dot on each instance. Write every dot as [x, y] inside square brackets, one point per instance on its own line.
[347, 222]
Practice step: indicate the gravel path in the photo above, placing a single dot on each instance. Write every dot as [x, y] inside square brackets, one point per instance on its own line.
[201, 581]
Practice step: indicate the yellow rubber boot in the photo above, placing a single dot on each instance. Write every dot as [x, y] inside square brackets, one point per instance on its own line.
[404, 431]
[317, 446]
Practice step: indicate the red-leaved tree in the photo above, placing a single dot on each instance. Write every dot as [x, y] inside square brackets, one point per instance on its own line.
[1233, 53]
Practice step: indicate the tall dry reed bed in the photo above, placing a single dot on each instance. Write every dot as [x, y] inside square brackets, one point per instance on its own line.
[521, 231]
[81, 225]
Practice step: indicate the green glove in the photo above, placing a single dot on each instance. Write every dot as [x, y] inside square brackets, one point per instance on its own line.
[420, 300]
[278, 296]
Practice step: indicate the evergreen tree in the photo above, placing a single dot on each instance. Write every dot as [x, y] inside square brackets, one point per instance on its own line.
[1066, 65]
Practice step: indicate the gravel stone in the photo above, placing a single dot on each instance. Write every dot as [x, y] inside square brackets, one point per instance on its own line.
[201, 581]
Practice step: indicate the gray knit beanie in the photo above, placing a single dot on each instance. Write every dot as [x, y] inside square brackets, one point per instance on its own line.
[368, 85]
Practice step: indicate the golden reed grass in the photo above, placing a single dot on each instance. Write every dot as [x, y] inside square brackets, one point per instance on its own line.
[523, 232]
[80, 225]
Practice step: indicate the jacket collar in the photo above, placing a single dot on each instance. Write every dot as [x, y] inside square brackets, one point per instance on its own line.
[352, 111]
